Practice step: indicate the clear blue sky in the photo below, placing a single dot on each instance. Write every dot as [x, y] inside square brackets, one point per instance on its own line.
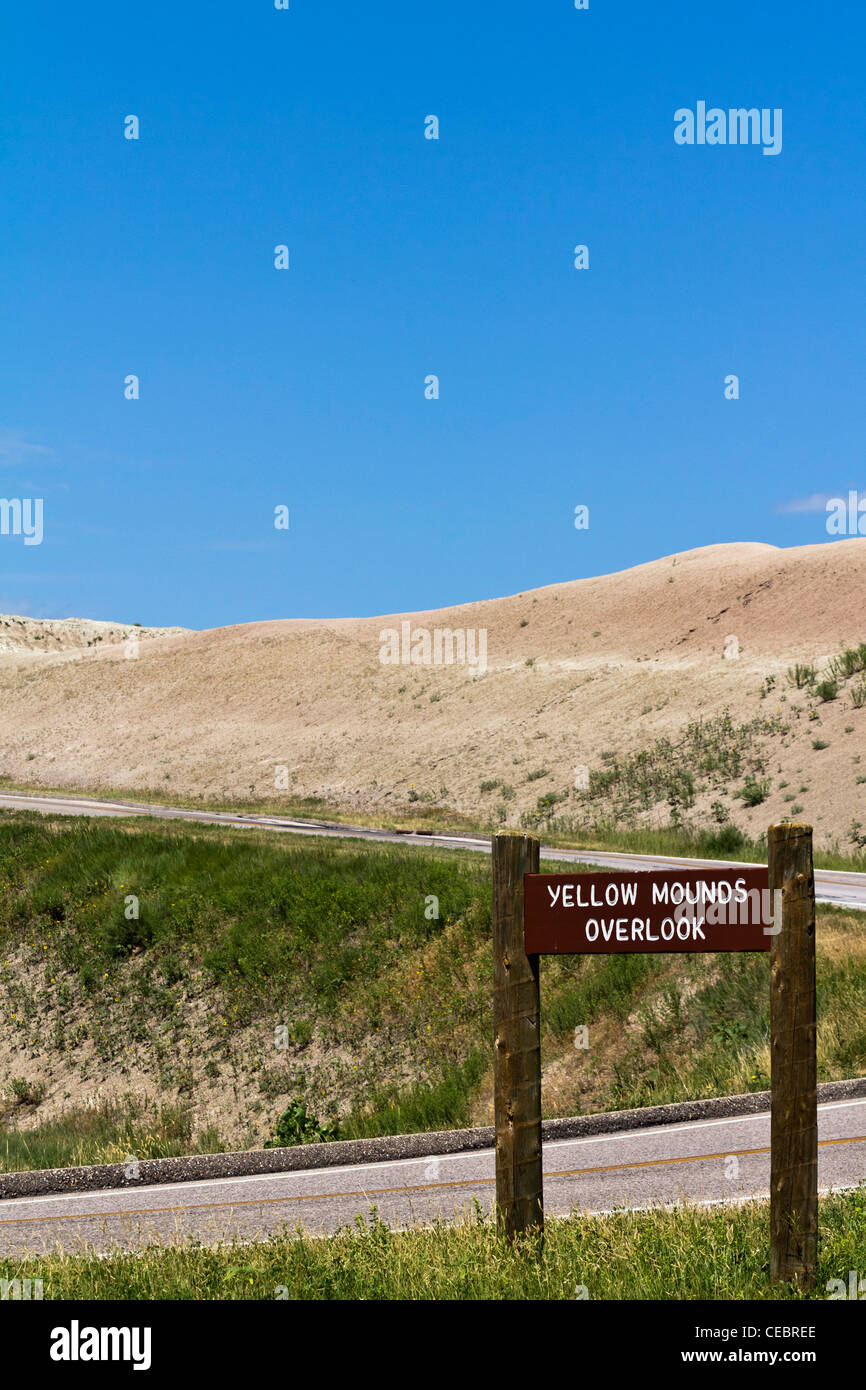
[408, 257]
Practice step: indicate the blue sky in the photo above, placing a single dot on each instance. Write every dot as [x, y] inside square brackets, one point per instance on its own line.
[411, 257]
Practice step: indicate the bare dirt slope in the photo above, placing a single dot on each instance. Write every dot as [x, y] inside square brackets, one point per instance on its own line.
[20, 635]
[585, 672]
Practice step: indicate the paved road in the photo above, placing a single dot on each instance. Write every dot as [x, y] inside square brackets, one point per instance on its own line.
[841, 889]
[639, 1168]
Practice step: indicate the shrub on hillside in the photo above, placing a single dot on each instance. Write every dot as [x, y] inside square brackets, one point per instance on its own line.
[754, 792]
[801, 675]
[723, 841]
[297, 1126]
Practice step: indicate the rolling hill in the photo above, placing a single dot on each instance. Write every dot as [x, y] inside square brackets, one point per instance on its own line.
[672, 670]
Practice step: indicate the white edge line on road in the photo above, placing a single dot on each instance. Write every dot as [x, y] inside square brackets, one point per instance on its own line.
[369, 1168]
[699, 1202]
[136, 1253]
[619, 1211]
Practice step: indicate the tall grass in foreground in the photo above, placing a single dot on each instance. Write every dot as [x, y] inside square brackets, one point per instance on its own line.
[686, 1253]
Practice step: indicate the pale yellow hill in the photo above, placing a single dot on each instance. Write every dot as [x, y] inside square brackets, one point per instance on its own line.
[575, 671]
[19, 635]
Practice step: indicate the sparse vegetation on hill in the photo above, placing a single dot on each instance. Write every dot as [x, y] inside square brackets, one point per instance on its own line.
[709, 757]
[19, 635]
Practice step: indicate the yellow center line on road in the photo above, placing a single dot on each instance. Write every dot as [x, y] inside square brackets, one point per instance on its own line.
[391, 1191]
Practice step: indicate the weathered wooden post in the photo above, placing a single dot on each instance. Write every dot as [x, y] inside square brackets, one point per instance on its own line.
[517, 1050]
[793, 1029]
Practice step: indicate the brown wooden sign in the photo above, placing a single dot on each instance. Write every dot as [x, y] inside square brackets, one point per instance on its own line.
[648, 910]
[682, 909]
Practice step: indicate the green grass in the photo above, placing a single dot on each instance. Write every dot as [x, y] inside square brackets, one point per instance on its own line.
[709, 1035]
[564, 832]
[106, 1133]
[682, 1254]
[442, 1104]
[330, 939]
[608, 988]
[755, 790]
[257, 916]
[386, 1009]
[727, 842]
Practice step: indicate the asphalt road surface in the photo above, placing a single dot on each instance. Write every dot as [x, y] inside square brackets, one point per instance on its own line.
[719, 1160]
[831, 886]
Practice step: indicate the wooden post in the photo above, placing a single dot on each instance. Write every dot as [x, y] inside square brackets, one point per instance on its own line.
[516, 1048]
[793, 1028]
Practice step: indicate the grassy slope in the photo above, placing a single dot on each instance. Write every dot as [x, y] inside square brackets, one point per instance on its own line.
[686, 1253]
[387, 1009]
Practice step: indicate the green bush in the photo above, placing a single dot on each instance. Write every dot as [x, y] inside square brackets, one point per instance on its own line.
[26, 1092]
[724, 841]
[297, 1126]
[801, 675]
[853, 660]
[754, 791]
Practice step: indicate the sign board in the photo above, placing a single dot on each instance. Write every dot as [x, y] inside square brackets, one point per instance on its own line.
[679, 909]
[648, 910]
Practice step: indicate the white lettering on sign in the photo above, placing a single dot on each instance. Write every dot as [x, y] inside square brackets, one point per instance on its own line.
[676, 893]
[575, 895]
[640, 929]
[686, 910]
